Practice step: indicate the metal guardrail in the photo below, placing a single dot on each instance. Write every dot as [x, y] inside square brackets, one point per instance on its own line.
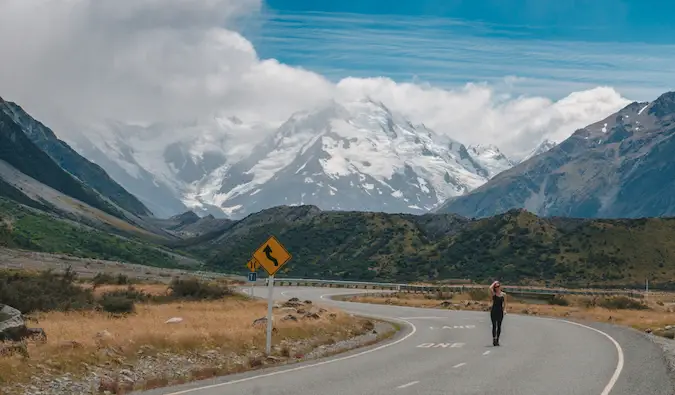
[445, 288]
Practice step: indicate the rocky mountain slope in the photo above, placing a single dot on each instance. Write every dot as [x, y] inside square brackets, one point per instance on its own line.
[34, 171]
[69, 160]
[618, 167]
[343, 156]
[516, 246]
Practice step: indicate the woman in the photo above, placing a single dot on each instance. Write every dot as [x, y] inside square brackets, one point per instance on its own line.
[498, 310]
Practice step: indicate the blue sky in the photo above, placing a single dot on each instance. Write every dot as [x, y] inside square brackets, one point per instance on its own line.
[553, 47]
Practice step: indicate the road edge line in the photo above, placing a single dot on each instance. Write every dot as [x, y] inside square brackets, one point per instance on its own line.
[620, 356]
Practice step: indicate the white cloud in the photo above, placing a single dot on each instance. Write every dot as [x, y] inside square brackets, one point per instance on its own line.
[175, 60]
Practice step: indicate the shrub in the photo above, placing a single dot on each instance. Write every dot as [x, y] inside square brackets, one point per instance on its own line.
[559, 300]
[45, 291]
[194, 289]
[105, 278]
[117, 304]
[622, 303]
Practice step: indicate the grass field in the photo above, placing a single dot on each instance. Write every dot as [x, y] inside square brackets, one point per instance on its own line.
[657, 312]
[78, 341]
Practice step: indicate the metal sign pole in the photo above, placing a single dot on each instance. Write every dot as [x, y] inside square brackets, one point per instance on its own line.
[270, 305]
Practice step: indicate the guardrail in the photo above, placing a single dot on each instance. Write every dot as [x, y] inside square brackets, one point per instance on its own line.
[445, 288]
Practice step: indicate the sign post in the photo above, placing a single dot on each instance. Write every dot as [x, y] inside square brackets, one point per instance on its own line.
[272, 255]
[252, 265]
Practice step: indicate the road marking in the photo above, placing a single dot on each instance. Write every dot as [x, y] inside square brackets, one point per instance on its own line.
[408, 385]
[423, 318]
[459, 365]
[412, 332]
[459, 327]
[619, 365]
[441, 345]
[285, 293]
[486, 352]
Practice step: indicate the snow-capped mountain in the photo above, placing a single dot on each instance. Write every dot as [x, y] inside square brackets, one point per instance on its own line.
[161, 164]
[353, 156]
[343, 156]
[539, 149]
[491, 158]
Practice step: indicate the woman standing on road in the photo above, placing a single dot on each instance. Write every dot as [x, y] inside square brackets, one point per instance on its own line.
[497, 311]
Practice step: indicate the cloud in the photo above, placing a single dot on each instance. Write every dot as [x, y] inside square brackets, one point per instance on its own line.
[81, 61]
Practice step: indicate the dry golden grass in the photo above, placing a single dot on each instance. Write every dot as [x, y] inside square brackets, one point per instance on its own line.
[659, 314]
[74, 339]
[150, 289]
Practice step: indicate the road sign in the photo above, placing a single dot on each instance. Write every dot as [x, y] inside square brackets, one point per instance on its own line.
[272, 255]
[252, 265]
[253, 277]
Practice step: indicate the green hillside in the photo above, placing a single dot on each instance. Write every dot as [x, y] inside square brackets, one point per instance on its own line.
[515, 247]
[26, 228]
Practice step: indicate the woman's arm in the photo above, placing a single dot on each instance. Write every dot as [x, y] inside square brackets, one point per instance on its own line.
[503, 293]
[492, 288]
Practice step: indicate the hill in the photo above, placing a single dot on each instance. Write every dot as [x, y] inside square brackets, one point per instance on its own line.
[30, 229]
[619, 167]
[517, 247]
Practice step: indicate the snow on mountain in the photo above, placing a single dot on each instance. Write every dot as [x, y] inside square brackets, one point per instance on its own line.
[342, 156]
[351, 156]
[161, 164]
[491, 158]
[539, 149]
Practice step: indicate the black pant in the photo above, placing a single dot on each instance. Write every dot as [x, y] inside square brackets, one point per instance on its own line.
[497, 317]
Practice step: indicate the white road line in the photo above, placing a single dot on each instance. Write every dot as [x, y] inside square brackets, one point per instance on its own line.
[408, 385]
[414, 329]
[423, 318]
[486, 352]
[459, 365]
[619, 365]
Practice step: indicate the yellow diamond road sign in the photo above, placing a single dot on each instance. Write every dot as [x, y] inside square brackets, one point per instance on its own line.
[272, 255]
[253, 265]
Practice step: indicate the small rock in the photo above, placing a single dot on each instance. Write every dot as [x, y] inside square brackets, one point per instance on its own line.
[174, 320]
[289, 318]
[648, 330]
[308, 302]
[293, 300]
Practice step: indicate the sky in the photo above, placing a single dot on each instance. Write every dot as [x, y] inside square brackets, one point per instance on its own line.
[504, 72]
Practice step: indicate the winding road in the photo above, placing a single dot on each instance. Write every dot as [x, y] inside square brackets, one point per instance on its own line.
[451, 353]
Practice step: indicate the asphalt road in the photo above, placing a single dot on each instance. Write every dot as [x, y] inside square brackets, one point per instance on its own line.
[451, 353]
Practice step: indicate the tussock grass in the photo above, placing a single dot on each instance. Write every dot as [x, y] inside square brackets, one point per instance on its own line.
[77, 340]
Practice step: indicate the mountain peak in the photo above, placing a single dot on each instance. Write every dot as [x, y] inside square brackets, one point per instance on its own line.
[664, 105]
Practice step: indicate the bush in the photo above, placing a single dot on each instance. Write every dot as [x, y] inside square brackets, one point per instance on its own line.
[622, 303]
[105, 278]
[116, 304]
[559, 300]
[45, 291]
[194, 289]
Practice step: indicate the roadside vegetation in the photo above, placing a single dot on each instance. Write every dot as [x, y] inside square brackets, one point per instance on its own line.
[117, 336]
